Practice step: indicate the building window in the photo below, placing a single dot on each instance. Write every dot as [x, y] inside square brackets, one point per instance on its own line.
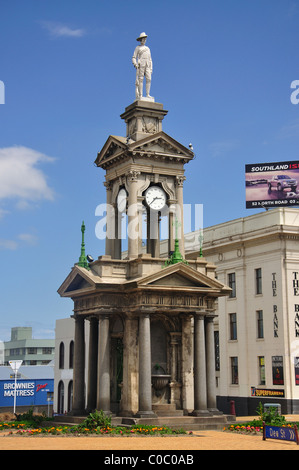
[234, 369]
[32, 351]
[71, 357]
[260, 324]
[15, 352]
[61, 356]
[261, 362]
[258, 281]
[47, 350]
[277, 370]
[233, 326]
[232, 284]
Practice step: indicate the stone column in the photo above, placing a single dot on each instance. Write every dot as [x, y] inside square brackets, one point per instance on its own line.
[103, 398]
[173, 364]
[171, 229]
[145, 375]
[180, 200]
[109, 241]
[129, 398]
[153, 235]
[187, 364]
[118, 235]
[140, 209]
[79, 366]
[200, 386]
[92, 364]
[210, 358]
[174, 384]
[133, 216]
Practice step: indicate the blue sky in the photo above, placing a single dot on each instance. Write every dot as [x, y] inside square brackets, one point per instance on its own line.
[222, 69]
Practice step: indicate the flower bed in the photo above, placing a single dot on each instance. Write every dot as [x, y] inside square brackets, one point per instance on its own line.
[250, 428]
[79, 430]
[269, 417]
[244, 429]
[23, 429]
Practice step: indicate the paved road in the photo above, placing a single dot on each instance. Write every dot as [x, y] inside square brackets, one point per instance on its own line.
[199, 440]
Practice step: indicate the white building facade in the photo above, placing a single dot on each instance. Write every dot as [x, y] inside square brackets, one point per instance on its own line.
[63, 371]
[258, 324]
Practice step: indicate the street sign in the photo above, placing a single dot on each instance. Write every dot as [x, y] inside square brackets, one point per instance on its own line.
[15, 365]
[280, 432]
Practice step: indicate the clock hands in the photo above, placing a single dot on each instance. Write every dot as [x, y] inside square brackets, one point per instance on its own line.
[155, 199]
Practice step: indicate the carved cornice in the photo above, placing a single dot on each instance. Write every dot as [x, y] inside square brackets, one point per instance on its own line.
[152, 302]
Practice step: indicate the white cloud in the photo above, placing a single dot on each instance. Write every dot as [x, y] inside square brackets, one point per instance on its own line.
[20, 178]
[28, 238]
[21, 239]
[58, 30]
[8, 244]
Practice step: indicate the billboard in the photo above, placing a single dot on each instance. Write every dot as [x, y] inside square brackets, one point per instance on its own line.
[28, 392]
[272, 184]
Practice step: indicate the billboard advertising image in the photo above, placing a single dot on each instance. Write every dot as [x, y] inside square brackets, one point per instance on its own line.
[272, 184]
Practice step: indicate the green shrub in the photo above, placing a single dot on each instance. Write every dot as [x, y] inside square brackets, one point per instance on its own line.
[97, 419]
[270, 416]
[29, 417]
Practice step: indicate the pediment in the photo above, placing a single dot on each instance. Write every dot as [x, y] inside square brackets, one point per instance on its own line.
[158, 145]
[161, 144]
[182, 276]
[79, 281]
[177, 280]
[114, 146]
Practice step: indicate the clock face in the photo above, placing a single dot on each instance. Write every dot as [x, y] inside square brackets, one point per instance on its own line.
[122, 200]
[155, 198]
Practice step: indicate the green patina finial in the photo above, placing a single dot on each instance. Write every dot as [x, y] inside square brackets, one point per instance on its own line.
[83, 260]
[200, 239]
[176, 256]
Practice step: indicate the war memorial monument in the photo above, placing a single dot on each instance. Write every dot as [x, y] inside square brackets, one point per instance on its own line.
[151, 342]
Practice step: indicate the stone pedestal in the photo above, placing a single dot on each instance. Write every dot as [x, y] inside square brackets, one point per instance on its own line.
[143, 118]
